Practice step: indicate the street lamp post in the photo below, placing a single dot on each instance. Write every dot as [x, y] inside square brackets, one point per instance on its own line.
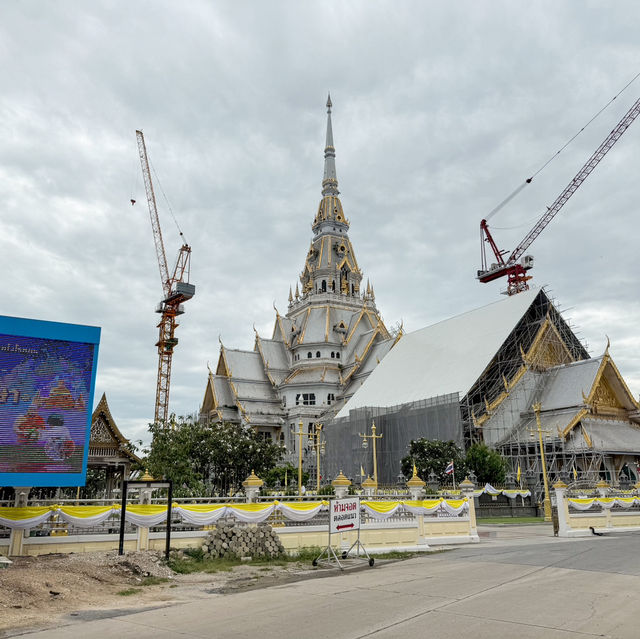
[373, 437]
[299, 435]
[547, 500]
[318, 445]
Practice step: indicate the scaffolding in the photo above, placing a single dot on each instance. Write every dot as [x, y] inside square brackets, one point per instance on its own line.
[498, 408]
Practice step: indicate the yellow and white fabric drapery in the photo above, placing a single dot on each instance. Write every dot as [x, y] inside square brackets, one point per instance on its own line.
[200, 514]
[584, 503]
[301, 511]
[381, 509]
[24, 517]
[147, 515]
[86, 516]
[507, 492]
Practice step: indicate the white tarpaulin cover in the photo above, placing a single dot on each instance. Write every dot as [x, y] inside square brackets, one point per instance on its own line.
[447, 357]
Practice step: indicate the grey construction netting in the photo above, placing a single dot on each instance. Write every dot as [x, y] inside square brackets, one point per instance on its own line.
[433, 418]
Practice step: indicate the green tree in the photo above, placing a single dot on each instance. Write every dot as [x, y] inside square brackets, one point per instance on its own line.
[434, 455]
[488, 465]
[205, 458]
[288, 473]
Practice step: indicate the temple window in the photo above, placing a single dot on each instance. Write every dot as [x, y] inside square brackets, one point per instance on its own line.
[333, 285]
[337, 355]
[308, 399]
[309, 355]
[330, 398]
[332, 354]
[324, 285]
[317, 353]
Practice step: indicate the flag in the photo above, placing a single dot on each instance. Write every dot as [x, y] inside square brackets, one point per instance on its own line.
[519, 473]
[286, 483]
[449, 469]
[415, 470]
[361, 471]
[575, 474]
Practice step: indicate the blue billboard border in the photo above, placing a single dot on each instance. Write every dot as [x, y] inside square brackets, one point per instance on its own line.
[43, 329]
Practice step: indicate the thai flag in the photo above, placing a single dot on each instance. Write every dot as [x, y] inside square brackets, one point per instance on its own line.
[449, 469]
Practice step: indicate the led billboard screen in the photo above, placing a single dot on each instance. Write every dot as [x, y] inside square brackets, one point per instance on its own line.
[47, 380]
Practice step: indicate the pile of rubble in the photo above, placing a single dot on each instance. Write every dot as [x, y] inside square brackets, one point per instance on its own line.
[235, 539]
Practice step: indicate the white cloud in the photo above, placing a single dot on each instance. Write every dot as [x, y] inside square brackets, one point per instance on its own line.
[440, 111]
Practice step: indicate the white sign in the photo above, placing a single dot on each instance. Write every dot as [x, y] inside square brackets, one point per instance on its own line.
[344, 514]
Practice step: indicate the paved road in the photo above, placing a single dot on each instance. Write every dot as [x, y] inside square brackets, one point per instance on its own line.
[518, 582]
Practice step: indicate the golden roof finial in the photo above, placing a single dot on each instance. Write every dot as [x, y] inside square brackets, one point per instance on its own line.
[290, 296]
[252, 481]
[341, 480]
[297, 291]
[415, 481]
[368, 482]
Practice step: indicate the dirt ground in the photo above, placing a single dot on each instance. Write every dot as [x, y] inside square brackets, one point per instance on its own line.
[37, 592]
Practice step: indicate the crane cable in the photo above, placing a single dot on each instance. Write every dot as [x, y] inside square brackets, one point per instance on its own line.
[166, 199]
[557, 153]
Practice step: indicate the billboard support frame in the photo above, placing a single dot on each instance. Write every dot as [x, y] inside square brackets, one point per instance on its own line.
[123, 509]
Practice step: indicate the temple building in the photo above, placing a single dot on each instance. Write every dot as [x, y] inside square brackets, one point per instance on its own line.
[110, 452]
[321, 351]
[476, 378]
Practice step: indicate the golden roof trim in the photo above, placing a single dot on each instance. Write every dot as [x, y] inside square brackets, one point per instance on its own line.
[211, 388]
[103, 408]
[326, 328]
[353, 330]
[305, 321]
[576, 419]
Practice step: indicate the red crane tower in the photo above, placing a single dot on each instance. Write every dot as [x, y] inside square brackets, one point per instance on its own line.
[176, 290]
[513, 266]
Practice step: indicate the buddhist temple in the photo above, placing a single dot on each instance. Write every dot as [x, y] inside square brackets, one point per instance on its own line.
[321, 350]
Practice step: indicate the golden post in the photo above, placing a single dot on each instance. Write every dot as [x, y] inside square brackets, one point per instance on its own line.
[547, 501]
[299, 434]
[373, 437]
[318, 445]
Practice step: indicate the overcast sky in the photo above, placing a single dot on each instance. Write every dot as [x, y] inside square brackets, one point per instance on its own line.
[440, 110]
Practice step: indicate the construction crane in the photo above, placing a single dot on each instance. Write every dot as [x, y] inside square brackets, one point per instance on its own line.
[176, 290]
[516, 265]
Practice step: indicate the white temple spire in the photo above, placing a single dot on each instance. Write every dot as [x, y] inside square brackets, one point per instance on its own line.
[330, 180]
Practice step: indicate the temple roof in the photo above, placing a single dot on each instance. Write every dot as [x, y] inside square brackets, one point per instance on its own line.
[567, 385]
[105, 434]
[612, 436]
